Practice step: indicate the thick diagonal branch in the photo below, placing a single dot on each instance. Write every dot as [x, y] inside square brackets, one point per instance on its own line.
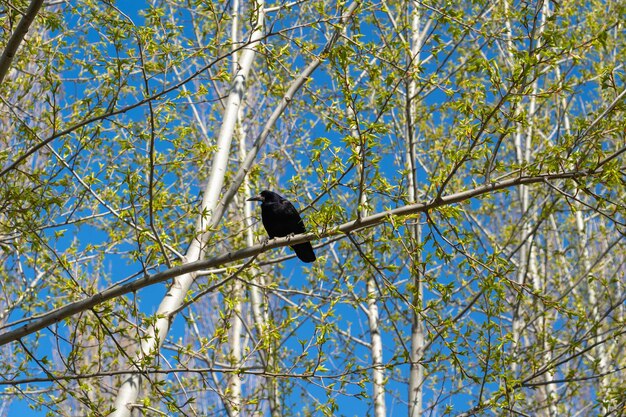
[55, 316]
[17, 37]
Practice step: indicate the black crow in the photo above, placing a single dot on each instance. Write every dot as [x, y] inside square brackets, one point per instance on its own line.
[281, 219]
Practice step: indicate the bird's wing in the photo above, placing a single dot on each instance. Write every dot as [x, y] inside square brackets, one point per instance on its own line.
[296, 225]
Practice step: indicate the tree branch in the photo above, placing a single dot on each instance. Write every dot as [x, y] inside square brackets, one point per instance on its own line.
[69, 310]
[18, 36]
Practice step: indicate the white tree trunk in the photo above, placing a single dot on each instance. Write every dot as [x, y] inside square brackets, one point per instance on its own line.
[600, 351]
[378, 371]
[378, 375]
[416, 376]
[130, 388]
[233, 401]
[547, 393]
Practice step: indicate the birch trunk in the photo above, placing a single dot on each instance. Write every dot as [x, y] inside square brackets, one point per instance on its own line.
[376, 349]
[378, 375]
[547, 393]
[130, 388]
[416, 376]
[600, 351]
[378, 371]
[257, 298]
[233, 401]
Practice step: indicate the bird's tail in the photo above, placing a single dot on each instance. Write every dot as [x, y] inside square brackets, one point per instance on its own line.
[304, 251]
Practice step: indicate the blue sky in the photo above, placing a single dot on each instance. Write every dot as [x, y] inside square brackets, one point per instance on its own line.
[347, 316]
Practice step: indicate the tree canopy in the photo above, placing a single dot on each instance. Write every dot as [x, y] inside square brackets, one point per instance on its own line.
[459, 166]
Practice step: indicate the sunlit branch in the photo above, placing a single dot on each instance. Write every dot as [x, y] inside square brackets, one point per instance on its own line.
[369, 221]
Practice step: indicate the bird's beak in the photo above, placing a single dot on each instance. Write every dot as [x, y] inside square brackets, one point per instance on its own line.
[256, 198]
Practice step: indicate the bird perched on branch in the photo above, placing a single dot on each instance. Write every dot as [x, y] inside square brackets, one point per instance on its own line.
[280, 219]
